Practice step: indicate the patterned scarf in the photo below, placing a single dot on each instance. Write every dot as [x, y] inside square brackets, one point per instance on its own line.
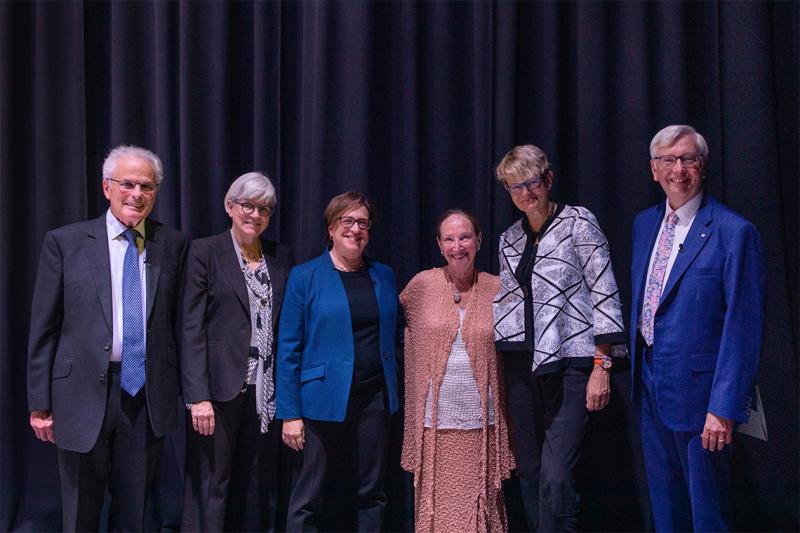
[261, 361]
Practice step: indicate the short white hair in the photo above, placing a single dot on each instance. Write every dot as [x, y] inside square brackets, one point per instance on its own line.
[251, 187]
[672, 134]
[129, 150]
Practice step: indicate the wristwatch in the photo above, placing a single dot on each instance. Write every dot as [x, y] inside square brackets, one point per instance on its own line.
[189, 405]
[603, 361]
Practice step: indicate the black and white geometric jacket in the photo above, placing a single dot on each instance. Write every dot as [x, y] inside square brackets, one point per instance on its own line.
[574, 296]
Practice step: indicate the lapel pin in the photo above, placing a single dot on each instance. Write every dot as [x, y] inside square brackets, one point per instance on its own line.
[702, 235]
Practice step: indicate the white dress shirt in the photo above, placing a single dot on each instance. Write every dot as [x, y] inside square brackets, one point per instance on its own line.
[686, 214]
[117, 245]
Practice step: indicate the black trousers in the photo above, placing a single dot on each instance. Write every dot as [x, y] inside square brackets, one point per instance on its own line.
[232, 476]
[548, 422]
[123, 460]
[355, 447]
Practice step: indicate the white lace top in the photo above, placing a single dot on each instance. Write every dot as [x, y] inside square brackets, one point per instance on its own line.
[459, 401]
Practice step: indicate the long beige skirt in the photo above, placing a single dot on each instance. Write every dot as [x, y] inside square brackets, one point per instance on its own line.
[448, 494]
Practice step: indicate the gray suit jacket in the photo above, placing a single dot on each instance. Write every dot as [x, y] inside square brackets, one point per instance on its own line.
[71, 329]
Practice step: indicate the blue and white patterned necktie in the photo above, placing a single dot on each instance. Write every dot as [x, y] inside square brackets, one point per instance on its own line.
[133, 347]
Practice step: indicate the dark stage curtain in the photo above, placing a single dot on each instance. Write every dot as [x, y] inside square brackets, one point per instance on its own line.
[412, 104]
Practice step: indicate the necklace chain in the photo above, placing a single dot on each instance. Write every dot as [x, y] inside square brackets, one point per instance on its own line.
[550, 211]
[253, 258]
[457, 293]
[341, 265]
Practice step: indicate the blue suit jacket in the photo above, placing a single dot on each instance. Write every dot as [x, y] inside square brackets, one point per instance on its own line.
[709, 323]
[315, 341]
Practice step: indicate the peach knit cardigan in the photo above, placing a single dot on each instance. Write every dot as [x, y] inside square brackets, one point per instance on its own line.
[432, 325]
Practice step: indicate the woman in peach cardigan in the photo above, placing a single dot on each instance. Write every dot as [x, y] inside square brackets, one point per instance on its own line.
[456, 440]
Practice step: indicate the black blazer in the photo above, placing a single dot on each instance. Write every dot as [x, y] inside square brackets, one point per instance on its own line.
[71, 329]
[216, 315]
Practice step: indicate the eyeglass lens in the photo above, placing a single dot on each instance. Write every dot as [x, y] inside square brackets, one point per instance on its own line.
[263, 210]
[687, 160]
[527, 184]
[128, 185]
[348, 222]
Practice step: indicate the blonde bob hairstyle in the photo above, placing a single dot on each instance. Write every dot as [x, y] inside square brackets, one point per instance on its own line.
[522, 163]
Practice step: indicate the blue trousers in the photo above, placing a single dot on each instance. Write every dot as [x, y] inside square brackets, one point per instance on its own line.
[689, 486]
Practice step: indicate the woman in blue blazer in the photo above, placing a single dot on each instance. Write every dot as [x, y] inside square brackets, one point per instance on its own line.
[337, 372]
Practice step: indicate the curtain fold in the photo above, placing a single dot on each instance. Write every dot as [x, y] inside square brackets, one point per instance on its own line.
[413, 104]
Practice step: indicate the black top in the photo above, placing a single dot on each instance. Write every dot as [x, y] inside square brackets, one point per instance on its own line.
[365, 317]
[524, 272]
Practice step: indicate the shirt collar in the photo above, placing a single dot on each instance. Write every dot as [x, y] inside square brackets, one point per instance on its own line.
[687, 211]
[236, 248]
[115, 228]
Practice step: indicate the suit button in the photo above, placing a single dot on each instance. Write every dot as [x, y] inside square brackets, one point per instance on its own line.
[386, 355]
[107, 346]
[102, 377]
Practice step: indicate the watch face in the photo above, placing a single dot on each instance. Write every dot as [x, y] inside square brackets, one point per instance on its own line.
[606, 363]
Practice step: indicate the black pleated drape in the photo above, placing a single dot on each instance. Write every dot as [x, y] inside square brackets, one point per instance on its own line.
[412, 104]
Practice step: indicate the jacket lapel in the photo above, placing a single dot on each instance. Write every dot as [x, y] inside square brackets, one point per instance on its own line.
[277, 274]
[696, 239]
[647, 241]
[97, 253]
[376, 281]
[154, 245]
[232, 269]
[513, 245]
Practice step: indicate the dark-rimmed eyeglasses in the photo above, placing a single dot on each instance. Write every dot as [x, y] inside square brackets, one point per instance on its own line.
[530, 184]
[130, 185]
[363, 223]
[263, 210]
[689, 160]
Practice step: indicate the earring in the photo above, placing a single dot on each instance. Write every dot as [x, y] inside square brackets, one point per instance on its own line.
[441, 252]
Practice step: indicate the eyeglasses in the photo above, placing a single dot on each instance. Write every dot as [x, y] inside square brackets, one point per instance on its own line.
[248, 208]
[130, 186]
[530, 184]
[363, 223]
[689, 160]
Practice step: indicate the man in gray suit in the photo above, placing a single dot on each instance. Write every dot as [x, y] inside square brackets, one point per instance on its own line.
[102, 358]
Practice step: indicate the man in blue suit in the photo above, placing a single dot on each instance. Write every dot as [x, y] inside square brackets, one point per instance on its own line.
[697, 316]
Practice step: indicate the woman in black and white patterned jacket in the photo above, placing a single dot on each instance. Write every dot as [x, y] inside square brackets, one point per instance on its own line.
[558, 323]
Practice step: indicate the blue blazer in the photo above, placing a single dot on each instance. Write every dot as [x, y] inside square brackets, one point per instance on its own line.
[709, 323]
[315, 341]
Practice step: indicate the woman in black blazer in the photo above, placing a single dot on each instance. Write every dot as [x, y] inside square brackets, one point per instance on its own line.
[232, 294]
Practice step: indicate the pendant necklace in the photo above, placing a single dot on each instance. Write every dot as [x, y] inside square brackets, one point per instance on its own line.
[456, 292]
